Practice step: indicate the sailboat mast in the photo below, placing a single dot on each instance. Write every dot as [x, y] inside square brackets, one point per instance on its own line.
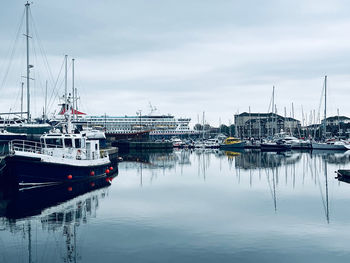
[273, 109]
[325, 106]
[28, 66]
[65, 80]
[73, 93]
[22, 100]
[45, 112]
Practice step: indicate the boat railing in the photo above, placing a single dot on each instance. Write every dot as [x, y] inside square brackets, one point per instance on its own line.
[29, 146]
[25, 146]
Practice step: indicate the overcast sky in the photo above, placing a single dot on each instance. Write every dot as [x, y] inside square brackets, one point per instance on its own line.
[184, 56]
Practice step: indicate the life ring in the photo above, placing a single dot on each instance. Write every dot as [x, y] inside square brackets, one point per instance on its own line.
[78, 157]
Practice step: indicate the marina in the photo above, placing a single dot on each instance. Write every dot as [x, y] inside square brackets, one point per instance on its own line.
[224, 171]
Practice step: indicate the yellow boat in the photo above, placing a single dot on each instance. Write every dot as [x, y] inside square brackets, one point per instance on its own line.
[232, 143]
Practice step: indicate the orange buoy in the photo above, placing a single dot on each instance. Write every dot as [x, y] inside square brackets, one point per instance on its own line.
[92, 173]
[92, 184]
[70, 177]
[107, 171]
[70, 189]
[111, 168]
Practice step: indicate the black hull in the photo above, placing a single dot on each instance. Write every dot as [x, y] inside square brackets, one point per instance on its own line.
[275, 147]
[23, 171]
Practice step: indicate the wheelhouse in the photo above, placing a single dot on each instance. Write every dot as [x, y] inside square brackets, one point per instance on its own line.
[63, 141]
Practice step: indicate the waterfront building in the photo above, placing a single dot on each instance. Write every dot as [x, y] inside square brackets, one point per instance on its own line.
[258, 125]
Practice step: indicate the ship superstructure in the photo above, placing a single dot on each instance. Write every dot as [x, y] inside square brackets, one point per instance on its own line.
[157, 125]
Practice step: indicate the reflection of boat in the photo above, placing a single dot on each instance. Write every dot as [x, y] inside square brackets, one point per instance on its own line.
[24, 202]
[232, 143]
[230, 154]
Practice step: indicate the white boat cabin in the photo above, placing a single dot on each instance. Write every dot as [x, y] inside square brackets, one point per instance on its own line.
[71, 146]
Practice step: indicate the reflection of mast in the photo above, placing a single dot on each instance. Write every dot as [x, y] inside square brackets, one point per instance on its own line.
[29, 242]
[326, 178]
[274, 189]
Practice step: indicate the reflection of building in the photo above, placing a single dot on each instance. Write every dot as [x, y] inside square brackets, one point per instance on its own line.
[257, 159]
[263, 124]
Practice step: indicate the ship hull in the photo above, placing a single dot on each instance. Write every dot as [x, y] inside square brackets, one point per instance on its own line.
[326, 146]
[239, 145]
[274, 147]
[32, 171]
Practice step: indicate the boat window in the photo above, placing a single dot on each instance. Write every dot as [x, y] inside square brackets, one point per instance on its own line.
[68, 142]
[77, 143]
[53, 142]
[96, 146]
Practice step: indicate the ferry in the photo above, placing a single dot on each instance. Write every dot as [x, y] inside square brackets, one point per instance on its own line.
[158, 126]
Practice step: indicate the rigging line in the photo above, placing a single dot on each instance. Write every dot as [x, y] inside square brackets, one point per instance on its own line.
[57, 91]
[12, 51]
[56, 82]
[42, 50]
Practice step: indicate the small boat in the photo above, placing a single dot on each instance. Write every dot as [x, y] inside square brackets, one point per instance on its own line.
[343, 173]
[211, 143]
[232, 143]
[59, 157]
[177, 142]
[330, 145]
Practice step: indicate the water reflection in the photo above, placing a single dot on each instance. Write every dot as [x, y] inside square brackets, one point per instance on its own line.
[58, 210]
[190, 204]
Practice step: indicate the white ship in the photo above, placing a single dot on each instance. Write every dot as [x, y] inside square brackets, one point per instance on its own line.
[156, 125]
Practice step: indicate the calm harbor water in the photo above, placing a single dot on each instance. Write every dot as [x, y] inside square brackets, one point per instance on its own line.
[188, 206]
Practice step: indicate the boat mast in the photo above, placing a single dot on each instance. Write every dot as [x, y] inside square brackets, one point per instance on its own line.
[65, 81]
[273, 106]
[250, 124]
[28, 66]
[325, 107]
[45, 111]
[22, 101]
[73, 93]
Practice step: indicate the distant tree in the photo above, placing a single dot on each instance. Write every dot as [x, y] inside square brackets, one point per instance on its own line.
[198, 127]
[224, 129]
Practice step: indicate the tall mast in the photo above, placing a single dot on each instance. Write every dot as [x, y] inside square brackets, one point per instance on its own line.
[65, 80]
[273, 109]
[28, 66]
[45, 111]
[250, 123]
[22, 100]
[325, 106]
[73, 92]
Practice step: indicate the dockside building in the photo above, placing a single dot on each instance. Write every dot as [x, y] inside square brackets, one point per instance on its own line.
[259, 125]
